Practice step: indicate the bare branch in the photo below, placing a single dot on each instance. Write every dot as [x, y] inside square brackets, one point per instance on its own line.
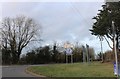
[18, 32]
[108, 43]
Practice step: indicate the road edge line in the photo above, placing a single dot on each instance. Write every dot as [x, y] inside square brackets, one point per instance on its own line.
[34, 74]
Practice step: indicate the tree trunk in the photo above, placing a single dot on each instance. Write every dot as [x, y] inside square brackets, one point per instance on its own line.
[18, 56]
[14, 57]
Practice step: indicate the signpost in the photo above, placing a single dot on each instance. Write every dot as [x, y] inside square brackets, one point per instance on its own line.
[68, 51]
[115, 50]
[115, 69]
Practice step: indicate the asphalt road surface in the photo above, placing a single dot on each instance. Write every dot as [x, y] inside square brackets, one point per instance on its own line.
[15, 71]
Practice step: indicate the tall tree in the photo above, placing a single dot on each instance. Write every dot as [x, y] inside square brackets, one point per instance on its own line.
[17, 33]
[102, 26]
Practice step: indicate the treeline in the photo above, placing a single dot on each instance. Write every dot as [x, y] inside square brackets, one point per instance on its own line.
[108, 56]
[48, 54]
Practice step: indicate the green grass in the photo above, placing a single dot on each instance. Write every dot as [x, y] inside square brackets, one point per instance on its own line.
[95, 69]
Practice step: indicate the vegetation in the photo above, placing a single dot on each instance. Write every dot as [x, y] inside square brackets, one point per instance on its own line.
[94, 69]
[47, 54]
[103, 26]
[108, 56]
[106, 25]
[16, 34]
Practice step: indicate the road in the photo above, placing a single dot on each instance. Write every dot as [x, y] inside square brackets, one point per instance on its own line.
[15, 71]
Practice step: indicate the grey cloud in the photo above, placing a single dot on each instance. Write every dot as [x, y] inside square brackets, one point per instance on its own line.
[60, 21]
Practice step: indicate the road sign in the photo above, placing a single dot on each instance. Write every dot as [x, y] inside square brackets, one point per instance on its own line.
[115, 70]
[68, 51]
[118, 42]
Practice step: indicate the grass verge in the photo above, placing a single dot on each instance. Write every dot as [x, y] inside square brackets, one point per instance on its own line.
[94, 69]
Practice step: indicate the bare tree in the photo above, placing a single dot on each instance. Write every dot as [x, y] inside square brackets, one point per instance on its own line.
[17, 33]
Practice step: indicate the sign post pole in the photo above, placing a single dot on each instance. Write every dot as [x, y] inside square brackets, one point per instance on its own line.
[115, 50]
[71, 58]
[66, 58]
[68, 51]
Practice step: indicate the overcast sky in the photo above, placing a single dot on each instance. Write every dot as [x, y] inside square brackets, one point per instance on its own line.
[60, 21]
